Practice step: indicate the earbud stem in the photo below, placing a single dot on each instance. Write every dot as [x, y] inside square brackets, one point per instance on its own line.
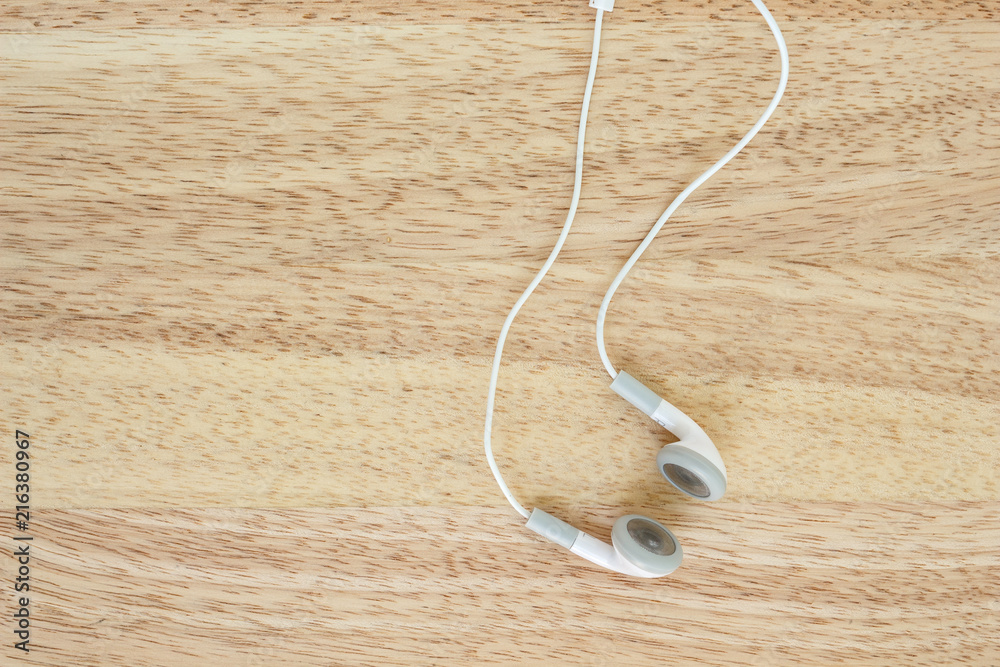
[636, 393]
[603, 554]
[553, 529]
[582, 544]
[668, 416]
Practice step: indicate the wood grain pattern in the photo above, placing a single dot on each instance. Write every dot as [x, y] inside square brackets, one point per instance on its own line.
[254, 258]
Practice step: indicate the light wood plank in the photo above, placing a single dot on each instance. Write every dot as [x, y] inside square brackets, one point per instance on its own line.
[254, 258]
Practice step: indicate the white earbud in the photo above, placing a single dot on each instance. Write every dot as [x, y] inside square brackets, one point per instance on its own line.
[639, 547]
[692, 464]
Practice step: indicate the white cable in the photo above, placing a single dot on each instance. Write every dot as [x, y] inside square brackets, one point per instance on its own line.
[491, 394]
[602, 313]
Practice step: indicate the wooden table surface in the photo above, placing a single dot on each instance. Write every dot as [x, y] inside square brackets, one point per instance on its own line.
[255, 258]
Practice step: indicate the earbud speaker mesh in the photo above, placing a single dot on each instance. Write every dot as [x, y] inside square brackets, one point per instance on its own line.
[651, 537]
[686, 481]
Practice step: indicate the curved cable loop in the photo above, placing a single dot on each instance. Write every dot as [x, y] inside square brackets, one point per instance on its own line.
[577, 183]
[602, 313]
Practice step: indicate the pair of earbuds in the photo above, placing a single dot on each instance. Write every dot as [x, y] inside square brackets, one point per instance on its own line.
[640, 546]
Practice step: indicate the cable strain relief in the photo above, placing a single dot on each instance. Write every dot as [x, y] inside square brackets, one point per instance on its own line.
[551, 528]
[636, 393]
